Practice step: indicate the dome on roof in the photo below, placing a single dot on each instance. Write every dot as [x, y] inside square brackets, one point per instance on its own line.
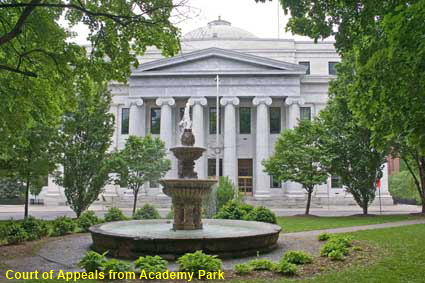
[218, 29]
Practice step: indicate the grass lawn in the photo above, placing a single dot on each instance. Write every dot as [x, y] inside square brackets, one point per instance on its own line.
[306, 223]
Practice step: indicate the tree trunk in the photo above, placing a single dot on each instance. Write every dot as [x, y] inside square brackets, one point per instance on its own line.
[307, 209]
[135, 202]
[365, 208]
[27, 196]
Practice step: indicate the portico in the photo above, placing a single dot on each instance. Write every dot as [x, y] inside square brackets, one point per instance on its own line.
[247, 82]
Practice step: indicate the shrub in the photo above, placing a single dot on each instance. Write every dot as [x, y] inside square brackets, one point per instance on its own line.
[336, 255]
[15, 233]
[297, 257]
[116, 266]
[88, 219]
[225, 192]
[114, 214]
[324, 237]
[345, 241]
[262, 214]
[92, 261]
[286, 268]
[233, 210]
[151, 264]
[170, 214]
[261, 264]
[193, 262]
[147, 212]
[243, 268]
[333, 245]
[35, 228]
[63, 225]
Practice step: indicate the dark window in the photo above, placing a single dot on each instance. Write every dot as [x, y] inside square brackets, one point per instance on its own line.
[182, 113]
[305, 113]
[244, 120]
[125, 121]
[212, 169]
[331, 68]
[274, 183]
[155, 121]
[213, 121]
[275, 120]
[306, 64]
[336, 182]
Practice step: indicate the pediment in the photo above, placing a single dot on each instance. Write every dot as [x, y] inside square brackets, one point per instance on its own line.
[217, 61]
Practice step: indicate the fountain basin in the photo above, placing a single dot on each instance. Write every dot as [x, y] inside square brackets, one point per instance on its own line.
[225, 238]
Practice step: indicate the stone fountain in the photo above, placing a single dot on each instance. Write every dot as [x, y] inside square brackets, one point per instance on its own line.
[188, 233]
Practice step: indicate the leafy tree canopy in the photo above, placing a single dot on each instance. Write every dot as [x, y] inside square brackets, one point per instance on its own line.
[141, 160]
[40, 66]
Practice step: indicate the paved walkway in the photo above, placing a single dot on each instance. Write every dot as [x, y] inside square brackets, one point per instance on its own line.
[51, 212]
[65, 252]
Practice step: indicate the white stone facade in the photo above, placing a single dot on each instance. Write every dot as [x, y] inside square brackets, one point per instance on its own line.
[267, 76]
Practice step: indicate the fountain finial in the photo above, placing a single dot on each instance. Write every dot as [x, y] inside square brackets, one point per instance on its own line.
[187, 138]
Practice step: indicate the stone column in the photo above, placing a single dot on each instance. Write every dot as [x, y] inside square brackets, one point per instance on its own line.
[230, 161]
[166, 134]
[295, 190]
[137, 118]
[293, 110]
[262, 179]
[198, 130]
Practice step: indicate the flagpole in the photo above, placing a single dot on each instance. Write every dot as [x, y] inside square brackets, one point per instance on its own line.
[217, 129]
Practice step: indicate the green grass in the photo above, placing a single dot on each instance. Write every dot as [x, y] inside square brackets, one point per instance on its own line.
[306, 223]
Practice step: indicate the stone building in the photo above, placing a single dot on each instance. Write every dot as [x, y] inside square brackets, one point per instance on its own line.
[265, 86]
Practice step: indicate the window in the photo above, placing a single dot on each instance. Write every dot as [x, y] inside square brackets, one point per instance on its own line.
[275, 120]
[306, 64]
[213, 121]
[244, 120]
[125, 121]
[336, 182]
[305, 113]
[155, 121]
[211, 167]
[274, 183]
[331, 68]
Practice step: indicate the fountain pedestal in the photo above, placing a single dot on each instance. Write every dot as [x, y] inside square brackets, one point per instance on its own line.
[188, 191]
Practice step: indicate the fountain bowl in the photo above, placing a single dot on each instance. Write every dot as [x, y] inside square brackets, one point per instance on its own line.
[187, 152]
[225, 238]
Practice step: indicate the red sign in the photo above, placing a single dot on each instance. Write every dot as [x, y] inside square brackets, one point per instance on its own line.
[378, 184]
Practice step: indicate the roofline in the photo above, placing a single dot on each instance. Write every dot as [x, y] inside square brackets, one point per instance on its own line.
[225, 53]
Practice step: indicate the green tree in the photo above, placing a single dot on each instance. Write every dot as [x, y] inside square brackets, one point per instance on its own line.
[298, 157]
[387, 93]
[141, 160]
[33, 160]
[84, 141]
[40, 64]
[349, 145]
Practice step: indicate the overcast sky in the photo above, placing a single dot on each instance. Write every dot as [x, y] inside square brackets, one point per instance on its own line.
[260, 19]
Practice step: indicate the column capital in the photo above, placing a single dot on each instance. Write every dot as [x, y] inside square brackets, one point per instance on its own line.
[165, 101]
[262, 100]
[198, 100]
[294, 100]
[229, 100]
[137, 101]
